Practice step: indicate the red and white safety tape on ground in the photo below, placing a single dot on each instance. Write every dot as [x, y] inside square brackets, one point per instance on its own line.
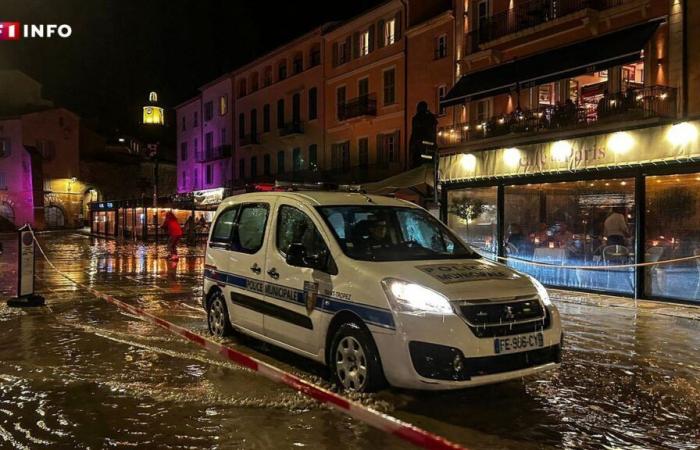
[384, 422]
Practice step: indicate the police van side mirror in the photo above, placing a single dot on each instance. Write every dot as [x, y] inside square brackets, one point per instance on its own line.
[296, 255]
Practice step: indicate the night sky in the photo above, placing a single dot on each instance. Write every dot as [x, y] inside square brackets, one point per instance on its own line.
[122, 49]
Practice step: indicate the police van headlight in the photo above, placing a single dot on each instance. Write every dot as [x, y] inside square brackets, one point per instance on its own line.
[413, 298]
[541, 291]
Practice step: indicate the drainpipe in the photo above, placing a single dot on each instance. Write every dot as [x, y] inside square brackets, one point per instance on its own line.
[405, 81]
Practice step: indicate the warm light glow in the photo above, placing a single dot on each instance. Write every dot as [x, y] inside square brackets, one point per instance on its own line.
[466, 128]
[511, 156]
[561, 151]
[153, 115]
[153, 97]
[682, 133]
[621, 142]
[468, 162]
[501, 120]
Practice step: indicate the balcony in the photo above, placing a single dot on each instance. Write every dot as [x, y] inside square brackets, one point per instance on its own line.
[365, 105]
[250, 139]
[527, 15]
[636, 104]
[291, 129]
[212, 154]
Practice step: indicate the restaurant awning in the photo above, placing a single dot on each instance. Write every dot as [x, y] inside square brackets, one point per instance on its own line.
[417, 180]
[600, 53]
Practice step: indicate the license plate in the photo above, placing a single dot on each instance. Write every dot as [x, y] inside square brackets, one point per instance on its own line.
[514, 344]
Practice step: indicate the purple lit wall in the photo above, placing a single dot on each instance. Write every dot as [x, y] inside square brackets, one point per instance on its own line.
[16, 194]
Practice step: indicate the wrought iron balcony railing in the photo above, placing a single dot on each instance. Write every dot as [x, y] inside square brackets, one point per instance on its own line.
[527, 15]
[634, 104]
[212, 154]
[292, 128]
[365, 105]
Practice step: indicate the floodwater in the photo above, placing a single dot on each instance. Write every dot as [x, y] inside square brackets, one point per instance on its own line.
[80, 374]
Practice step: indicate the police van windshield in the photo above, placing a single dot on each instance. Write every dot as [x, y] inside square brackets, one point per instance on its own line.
[389, 233]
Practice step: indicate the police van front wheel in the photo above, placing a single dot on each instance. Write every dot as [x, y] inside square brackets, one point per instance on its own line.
[354, 359]
[217, 316]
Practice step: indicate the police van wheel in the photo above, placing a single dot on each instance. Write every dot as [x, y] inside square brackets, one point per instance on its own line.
[217, 316]
[354, 360]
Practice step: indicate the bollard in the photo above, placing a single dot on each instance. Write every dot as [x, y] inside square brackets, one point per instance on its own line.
[25, 271]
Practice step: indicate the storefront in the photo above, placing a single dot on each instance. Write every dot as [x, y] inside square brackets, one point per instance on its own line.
[610, 199]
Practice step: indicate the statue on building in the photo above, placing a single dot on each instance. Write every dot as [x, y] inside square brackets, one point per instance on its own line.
[423, 134]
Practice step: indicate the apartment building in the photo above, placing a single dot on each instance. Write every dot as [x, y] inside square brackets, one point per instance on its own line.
[279, 108]
[366, 95]
[205, 134]
[570, 112]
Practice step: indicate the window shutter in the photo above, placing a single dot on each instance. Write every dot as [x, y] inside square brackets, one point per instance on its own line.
[335, 54]
[348, 49]
[380, 149]
[397, 146]
[371, 38]
[355, 45]
[398, 26]
[380, 34]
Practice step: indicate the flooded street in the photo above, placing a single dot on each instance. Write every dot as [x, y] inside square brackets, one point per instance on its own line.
[78, 373]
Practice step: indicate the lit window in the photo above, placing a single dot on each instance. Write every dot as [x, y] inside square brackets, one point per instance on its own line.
[389, 32]
[364, 43]
[441, 92]
[223, 105]
[441, 46]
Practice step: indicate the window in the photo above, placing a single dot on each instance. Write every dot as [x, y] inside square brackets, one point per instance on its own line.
[482, 111]
[313, 157]
[250, 230]
[297, 160]
[340, 102]
[210, 174]
[183, 151]
[223, 105]
[241, 125]
[241, 168]
[441, 46]
[364, 43]
[280, 161]
[195, 148]
[295, 227]
[313, 103]
[389, 233]
[267, 169]
[441, 92]
[242, 88]
[208, 142]
[208, 111]
[267, 76]
[254, 82]
[266, 118]
[184, 124]
[195, 119]
[363, 87]
[342, 50]
[471, 214]
[253, 166]
[340, 156]
[297, 64]
[282, 71]
[363, 151]
[389, 32]
[315, 56]
[4, 147]
[224, 136]
[223, 227]
[389, 87]
[280, 113]
[387, 148]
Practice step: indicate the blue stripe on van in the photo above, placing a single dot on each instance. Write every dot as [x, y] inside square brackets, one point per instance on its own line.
[380, 317]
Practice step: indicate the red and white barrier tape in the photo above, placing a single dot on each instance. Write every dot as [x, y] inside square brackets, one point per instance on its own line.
[384, 422]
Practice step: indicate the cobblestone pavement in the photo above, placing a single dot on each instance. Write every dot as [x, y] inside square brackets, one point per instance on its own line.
[78, 373]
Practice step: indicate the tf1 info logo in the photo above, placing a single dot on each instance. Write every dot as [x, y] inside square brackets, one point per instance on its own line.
[13, 31]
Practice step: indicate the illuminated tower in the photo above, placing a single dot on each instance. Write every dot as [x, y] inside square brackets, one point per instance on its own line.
[152, 113]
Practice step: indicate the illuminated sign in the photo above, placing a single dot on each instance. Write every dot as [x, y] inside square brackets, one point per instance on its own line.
[12, 31]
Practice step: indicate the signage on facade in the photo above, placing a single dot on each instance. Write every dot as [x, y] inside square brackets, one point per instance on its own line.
[649, 145]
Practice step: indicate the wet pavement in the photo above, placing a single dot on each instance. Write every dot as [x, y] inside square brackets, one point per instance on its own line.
[80, 374]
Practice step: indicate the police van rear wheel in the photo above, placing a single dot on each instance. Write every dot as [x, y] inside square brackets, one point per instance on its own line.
[217, 316]
[355, 360]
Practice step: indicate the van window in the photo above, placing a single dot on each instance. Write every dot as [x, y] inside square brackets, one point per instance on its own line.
[249, 232]
[293, 226]
[224, 225]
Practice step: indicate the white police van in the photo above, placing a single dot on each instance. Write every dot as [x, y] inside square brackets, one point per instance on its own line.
[375, 288]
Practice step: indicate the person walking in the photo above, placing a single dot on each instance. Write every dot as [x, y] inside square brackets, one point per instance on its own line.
[172, 227]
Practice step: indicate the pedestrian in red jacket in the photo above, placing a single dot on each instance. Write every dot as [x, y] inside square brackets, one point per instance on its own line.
[172, 227]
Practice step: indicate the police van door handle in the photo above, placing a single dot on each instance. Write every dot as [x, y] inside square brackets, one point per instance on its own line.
[273, 273]
[255, 268]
